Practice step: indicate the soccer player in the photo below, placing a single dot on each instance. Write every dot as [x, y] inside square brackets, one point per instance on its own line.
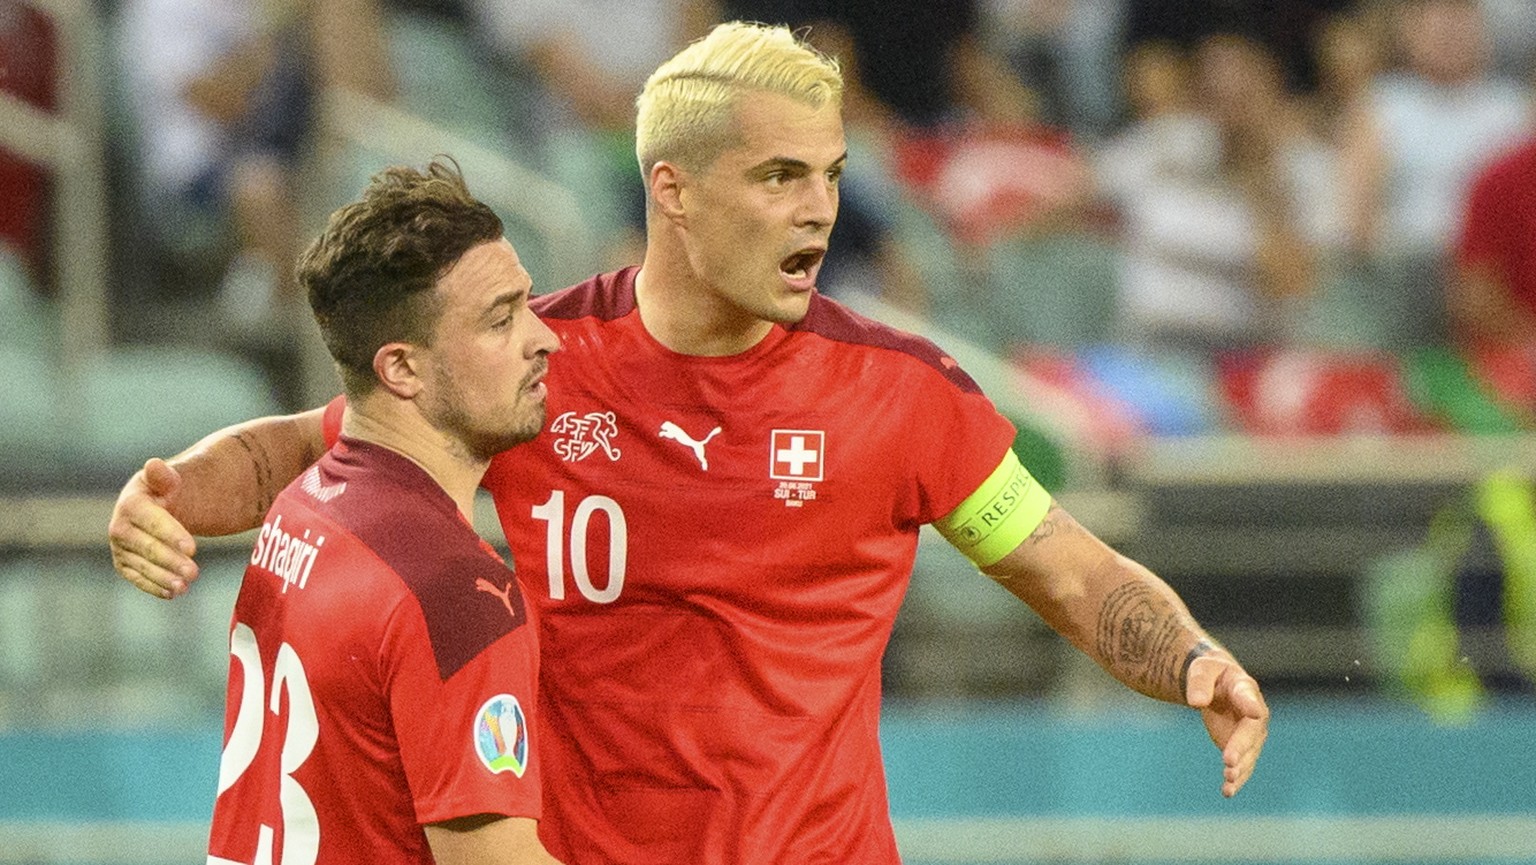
[385, 663]
[718, 522]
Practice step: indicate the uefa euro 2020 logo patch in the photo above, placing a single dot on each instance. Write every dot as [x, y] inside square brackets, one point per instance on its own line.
[501, 735]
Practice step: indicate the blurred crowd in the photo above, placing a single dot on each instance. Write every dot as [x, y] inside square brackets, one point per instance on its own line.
[1191, 215]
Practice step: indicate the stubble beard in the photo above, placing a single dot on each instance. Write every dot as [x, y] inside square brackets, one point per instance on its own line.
[477, 439]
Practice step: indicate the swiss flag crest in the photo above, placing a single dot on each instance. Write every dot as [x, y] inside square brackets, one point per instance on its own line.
[796, 455]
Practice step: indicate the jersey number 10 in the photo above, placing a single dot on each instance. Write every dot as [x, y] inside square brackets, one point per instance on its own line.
[553, 513]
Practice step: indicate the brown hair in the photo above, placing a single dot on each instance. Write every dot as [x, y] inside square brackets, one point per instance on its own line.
[370, 273]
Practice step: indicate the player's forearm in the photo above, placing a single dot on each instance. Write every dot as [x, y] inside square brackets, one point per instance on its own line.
[1142, 633]
[231, 477]
[1110, 607]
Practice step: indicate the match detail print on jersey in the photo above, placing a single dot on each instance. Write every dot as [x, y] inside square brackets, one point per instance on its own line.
[1003, 511]
[796, 459]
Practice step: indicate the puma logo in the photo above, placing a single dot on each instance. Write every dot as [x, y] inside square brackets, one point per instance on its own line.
[670, 430]
[484, 585]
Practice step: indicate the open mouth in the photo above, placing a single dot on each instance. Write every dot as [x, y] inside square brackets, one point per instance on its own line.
[799, 269]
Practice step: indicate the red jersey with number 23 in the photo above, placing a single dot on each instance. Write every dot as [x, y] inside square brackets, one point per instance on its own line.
[718, 547]
[382, 676]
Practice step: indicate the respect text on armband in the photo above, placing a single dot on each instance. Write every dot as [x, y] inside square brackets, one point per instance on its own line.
[986, 519]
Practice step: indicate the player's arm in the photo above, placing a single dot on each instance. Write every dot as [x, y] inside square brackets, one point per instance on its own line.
[488, 839]
[223, 484]
[1110, 607]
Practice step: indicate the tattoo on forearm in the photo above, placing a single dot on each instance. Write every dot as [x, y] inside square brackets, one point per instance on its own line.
[1138, 632]
[1055, 520]
[261, 466]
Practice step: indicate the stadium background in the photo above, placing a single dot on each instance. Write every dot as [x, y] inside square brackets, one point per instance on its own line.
[1325, 529]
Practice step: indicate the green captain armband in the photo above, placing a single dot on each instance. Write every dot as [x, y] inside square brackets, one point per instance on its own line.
[1004, 510]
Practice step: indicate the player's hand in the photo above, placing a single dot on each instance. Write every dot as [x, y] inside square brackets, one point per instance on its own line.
[1235, 715]
[149, 547]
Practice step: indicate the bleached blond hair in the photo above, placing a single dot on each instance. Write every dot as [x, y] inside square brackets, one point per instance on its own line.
[685, 113]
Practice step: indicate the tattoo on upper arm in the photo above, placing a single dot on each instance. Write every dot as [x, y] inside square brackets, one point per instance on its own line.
[1138, 632]
[261, 466]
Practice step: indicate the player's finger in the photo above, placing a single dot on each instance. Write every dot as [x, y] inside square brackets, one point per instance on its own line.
[1245, 697]
[1200, 684]
[143, 583]
[147, 586]
[154, 521]
[148, 577]
[152, 548]
[161, 480]
[1246, 741]
[1241, 755]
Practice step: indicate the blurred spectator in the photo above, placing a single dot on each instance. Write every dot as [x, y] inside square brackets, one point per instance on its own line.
[1493, 289]
[1513, 25]
[590, 58]
[1349, 53]
[1410, 148]
[1222, 193]
[910, 51]
[1066, 52]
[219, 95]
[1287, 27]
[28, 57]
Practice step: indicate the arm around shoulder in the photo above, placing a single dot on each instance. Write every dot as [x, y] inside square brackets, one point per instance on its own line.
[222, 484]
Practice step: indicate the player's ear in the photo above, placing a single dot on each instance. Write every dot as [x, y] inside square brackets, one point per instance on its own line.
[666, 183]
[397, 365]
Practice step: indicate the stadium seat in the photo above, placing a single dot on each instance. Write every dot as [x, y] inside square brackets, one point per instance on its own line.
[27, 320]
[1055, 289]
[20, 652]
[32, 431]
[143, 401]
[1440, 382]
[1170, 394]
[1299, 392]
[439, 78]
[78, 645]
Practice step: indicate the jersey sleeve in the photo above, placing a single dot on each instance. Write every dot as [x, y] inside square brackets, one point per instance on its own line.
[958, 441]
[464, 741]
[330, 422]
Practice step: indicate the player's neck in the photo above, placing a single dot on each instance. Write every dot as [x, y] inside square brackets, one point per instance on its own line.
[402, 430]
[681, 313]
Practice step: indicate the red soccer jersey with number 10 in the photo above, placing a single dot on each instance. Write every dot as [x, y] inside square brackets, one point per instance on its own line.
[382, 675]
[718, 547]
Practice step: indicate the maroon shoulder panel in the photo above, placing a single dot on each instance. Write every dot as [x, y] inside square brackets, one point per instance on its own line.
[606, 296]
[831, 320]
[470, 599]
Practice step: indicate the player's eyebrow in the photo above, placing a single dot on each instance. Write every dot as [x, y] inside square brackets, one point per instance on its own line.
[792, 165]
[505, 299]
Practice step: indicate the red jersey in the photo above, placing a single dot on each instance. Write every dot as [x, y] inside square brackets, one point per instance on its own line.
[1499, 228]
[718, 547]
[381, 677]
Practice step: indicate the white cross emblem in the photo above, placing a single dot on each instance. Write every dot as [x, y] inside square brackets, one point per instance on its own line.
[796, 455]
